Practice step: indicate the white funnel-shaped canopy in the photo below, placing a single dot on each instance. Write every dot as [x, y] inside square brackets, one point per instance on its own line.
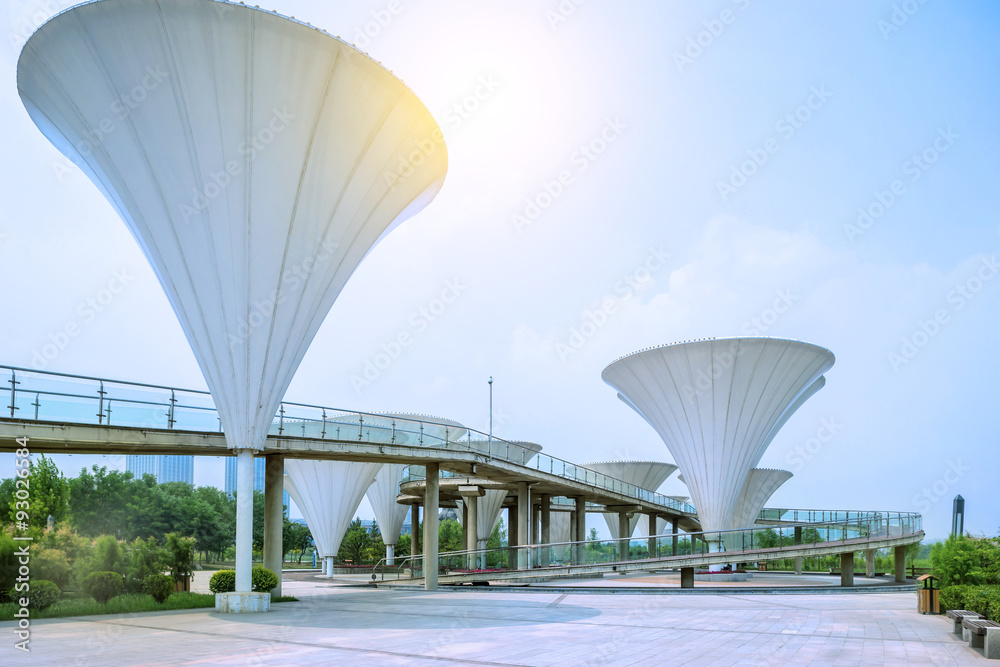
[680, 499]
[382, 495]
[786, 415]
[328, 493]
[255, 159]
[643, 525]
[560, 524]
[488, 508]
[715, 404]
[757, 490]
[648, 475]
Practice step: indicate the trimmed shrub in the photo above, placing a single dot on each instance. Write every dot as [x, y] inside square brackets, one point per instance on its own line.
[160, 586]
[263, 579]
[223, 581]
[983, 600]
[41, 594]
[50, 565]
[102, 586]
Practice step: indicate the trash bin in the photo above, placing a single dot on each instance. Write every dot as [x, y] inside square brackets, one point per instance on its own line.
[928, 595]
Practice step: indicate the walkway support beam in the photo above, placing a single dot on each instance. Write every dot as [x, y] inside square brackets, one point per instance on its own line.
[431, 489]
[523, 524]
[414, 532]
[900, 564]
[546, 537]
[651, 545]
[581, 529]
[624, 534]
[274, 515]
[847, 569]
[674, 528]
[798, 540]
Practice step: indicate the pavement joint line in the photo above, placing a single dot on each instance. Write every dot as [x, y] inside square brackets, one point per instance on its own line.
[555, 603]
[293, 642]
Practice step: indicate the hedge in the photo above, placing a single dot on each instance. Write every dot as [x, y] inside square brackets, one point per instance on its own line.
[983, 600]
[102, 586]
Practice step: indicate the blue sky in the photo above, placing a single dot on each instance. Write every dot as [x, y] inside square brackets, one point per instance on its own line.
[731, 147]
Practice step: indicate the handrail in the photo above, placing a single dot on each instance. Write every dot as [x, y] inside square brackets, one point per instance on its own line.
[473, 440]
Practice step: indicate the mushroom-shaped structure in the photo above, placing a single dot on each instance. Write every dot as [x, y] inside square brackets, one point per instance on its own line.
[648, 475]
[757, 490]
[643, 525]
[255, 159]
[715, 404]
[328, 493]
[402, 428]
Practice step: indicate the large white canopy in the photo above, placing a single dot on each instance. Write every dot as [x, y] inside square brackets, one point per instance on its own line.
[255, 159]
[757, 490]
[715, 404]
[382, 494]
[328, 493]
[648, 475]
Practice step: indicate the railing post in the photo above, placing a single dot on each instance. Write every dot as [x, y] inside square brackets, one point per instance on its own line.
[170, 411]
[13, 392]
[361, 426]
[323, 432]
[100, 407]
[281, 418]
[37, 404]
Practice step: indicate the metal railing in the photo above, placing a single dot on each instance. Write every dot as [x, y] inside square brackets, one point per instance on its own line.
[535, 558]
[46, 396]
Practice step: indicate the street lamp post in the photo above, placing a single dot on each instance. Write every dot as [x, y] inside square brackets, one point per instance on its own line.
[491, 412]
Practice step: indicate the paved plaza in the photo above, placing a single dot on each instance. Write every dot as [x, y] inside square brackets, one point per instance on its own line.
[337, 622]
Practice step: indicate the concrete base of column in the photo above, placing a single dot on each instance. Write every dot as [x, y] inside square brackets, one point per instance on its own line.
[687, 577]
[242, 603]
[900, 565]
[847, 569]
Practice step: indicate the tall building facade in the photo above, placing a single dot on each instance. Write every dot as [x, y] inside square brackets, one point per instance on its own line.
[258, 477]
[166, 468]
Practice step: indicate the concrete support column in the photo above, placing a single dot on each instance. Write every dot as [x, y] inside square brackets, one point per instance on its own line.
[328, 566]
[414, 532]
[523, 523]
[798, 540]
[274, 515]
[847, 569]
[472, 521]
[244, 519]
[624, 534]
[536, 533]
[431, 490]
[674, 528]
[652, 541]
[390, 554]
[512, 536]
[546, 537]
[900, 564]
[581, 530]
[687, 577]
[870, 563]
[465, 525]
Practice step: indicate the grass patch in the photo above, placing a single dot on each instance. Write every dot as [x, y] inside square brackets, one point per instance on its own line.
[284, 598]
[123, 604]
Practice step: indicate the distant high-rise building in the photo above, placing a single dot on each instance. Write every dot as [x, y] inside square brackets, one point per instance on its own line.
[258, 477]
[166, 468]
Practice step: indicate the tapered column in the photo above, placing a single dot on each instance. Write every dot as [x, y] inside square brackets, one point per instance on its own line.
[244, 519]
[651, 546]
[581, 530]
[431, 488]
[900, 564]
[847, 569]
[274, 515]
[523, 524]
[624, 534]
[546, 516]
[798, 540]
[675, 528]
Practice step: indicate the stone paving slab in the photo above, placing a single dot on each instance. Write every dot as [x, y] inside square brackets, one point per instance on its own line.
[350, 625]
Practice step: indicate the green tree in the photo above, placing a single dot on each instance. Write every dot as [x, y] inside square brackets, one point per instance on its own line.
[100, 501]
[48, 494]
[296, 538]
[450, 536]
[356, 540]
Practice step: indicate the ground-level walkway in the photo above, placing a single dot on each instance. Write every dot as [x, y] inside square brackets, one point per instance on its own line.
[347, 624]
